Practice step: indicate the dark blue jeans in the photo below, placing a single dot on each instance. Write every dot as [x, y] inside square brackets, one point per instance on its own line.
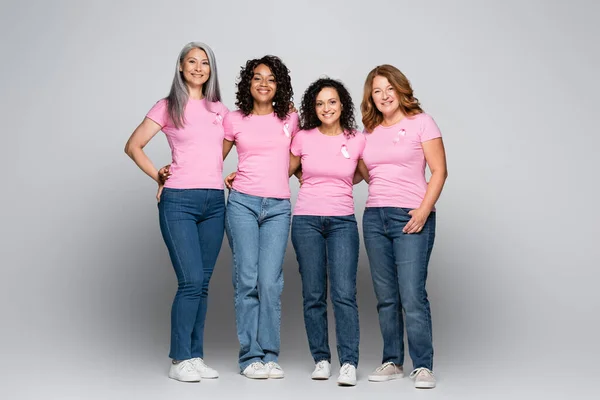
[329, 246]
[192, 225]
[399, 270]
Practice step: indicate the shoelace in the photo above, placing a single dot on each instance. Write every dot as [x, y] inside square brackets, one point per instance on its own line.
[419, 370]
[384, 366]
[200, 362]
[321, 365]
[257, 365]
[273, 365]
[345, 370]
[187, 365]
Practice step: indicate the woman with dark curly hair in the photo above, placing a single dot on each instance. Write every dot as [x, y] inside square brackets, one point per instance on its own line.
[324, 230]
[399, 220]
[258, 209]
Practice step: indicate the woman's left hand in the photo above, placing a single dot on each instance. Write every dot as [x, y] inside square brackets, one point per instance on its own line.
[417, 222]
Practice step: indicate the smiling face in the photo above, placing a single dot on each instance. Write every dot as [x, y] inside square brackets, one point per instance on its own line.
[195, 68]
[328, 106]
[384, 96]
[263, 84]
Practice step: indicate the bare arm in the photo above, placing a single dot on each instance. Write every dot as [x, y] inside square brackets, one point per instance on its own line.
[362, 172]
[294, 164]
[134, 147]
[227, 145]
[435, 156]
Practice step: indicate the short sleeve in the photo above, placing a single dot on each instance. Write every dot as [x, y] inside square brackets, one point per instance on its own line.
[224, 110]
[228, 126]
[158, 113]
[294, 123]
[362, 142]
[429, 129]
[296, 147]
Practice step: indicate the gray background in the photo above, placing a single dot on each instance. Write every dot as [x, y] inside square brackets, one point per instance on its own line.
[86, 283]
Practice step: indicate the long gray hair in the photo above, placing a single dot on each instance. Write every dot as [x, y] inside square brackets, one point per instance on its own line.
[178, 96]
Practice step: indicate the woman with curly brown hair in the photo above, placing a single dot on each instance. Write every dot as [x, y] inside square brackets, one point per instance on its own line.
[324, 230]
[399, 219]
[258, 211]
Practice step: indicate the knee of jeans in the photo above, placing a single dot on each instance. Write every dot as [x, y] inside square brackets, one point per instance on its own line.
[414, 301]
[314, 295]
[271, 291]
[386, 292]
[193, 287]
[343, 295]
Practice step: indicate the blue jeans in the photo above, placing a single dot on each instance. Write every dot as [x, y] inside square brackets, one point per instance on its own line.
[329, 246]
[399, 270]
[258, 230]
[192, 224]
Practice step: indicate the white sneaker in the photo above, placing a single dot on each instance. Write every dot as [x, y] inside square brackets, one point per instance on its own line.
[347, 375]
[256, 370]
[424, 378]
[275, 370]
[206, 372]
[322, 370]
[184, 371]
[386, 372]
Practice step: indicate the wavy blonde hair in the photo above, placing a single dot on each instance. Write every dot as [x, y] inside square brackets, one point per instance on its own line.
[409, 104]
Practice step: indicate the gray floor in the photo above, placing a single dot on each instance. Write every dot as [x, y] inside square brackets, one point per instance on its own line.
[101, 377]
[115, 347]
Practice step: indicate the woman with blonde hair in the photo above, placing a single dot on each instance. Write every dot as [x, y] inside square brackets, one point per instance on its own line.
[399, 219]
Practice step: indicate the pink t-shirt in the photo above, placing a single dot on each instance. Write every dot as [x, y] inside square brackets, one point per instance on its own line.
[197, 148]
[263, 147]
[396, 162]
[328, 165]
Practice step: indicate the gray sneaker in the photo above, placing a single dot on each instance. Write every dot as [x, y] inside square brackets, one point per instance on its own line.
[387, 372]
[424, 378]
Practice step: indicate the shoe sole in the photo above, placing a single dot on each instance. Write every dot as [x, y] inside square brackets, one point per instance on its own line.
[276, 376]
[209, 376]
[345, 383]
[385, 378]
[425, 386]
[257, 376]
[320, 378]
[185, 381]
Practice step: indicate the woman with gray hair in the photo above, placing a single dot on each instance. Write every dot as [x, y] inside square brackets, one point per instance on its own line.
[191, 204]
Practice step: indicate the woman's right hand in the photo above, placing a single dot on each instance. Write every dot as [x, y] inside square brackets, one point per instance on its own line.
[229, 180]
[159, 192]
[163, 174]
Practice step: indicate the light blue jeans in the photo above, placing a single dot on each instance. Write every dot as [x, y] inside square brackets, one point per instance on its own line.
[258, 230]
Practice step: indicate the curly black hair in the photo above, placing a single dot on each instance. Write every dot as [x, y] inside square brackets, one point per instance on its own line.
[308, 114]
[284, 93]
